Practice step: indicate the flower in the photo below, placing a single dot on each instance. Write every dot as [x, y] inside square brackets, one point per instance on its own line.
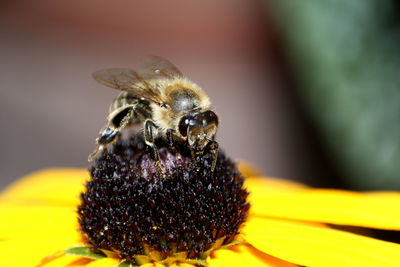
[287, 225]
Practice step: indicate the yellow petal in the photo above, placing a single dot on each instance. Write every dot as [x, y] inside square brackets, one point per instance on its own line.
[244, 255]
[374, 210]
[248, 169]
[182, 265]
[152, 264]
[67, 260]
[38, 222]
[261, 186]
[105, 262]
[30, 252]
[314, 246]
[47, 187]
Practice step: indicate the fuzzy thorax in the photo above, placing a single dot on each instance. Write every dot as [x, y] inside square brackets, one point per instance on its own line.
[182, 96]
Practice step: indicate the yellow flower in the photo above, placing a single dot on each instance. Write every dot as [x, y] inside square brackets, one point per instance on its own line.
[286, 225]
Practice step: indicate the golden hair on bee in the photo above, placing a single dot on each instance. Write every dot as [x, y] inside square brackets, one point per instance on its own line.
[182, 96]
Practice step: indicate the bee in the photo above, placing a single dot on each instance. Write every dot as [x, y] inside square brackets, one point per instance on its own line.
[166, 103]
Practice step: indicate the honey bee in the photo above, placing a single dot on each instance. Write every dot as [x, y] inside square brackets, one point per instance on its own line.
[167, 104]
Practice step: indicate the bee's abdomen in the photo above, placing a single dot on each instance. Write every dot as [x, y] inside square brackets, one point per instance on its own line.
[122, 100]
[123, 104]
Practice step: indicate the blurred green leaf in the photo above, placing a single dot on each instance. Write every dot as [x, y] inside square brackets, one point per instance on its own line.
[347, 59]
[84, 252]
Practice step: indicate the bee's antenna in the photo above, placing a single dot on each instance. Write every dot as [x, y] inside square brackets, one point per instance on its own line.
[97, 150]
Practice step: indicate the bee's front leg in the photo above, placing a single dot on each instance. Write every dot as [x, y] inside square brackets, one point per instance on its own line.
[170, 138]
[149, 127]
[171, 142]
[214, 146]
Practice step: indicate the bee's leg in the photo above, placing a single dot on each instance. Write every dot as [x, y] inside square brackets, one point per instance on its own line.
[107, 135]
[171, 142]
[214, 150]
[193, 152]
[170, 137]
[95, 152]
[149, 139]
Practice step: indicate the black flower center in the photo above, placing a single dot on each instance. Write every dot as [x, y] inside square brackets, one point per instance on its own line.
[132, 209]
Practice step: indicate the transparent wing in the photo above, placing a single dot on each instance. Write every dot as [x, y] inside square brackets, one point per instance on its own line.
[130, 81]
[157, 67]
[117, 78]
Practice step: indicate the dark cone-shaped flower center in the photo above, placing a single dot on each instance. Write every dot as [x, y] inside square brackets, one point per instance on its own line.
[132, 209]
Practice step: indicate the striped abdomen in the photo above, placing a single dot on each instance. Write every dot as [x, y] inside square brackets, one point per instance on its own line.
[123, 104]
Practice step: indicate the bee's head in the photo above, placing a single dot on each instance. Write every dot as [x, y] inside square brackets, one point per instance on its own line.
[199, 128]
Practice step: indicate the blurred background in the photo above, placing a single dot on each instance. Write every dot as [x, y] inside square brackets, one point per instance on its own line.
[305, 90]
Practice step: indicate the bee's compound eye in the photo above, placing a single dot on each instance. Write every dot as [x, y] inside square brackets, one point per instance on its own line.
[209, 117]
[184, 124]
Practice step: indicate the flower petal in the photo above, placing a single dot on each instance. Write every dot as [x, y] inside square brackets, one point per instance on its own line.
[29, 252]
[32, 233]
[248, 169]
[244, 255]
[152, 264]
[38, 222]
[105, 262]
[66, 260]
[259, 187]
[182, 265]
[47, 187]
[374, 210]
[315, 246]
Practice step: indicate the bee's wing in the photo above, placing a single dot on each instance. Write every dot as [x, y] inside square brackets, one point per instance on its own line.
[158, 67]
[130, 81]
